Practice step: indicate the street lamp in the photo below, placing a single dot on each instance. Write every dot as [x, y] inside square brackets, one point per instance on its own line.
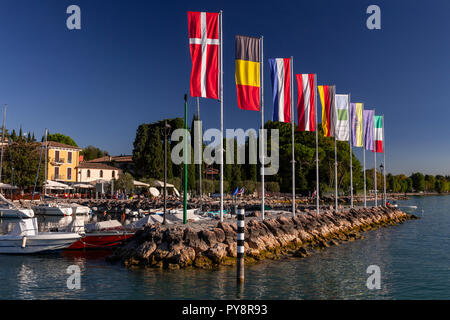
[165, 130]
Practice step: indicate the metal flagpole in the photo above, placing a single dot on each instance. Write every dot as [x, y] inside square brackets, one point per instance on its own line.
[375, 175]
[335, 156]
[350, 142]
[384, 164]
[221, 118]
[375, 160]
[3, 141]
[201, 150]
[262, 126]
[185, 162]
[364, 174]
[364, 159]
[165, 171]
[293, 136]
[335, 173]
[317, 146]
[46, 165]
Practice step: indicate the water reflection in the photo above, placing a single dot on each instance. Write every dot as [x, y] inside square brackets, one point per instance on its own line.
[26, 282]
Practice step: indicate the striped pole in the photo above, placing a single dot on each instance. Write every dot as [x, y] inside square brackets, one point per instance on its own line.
[240, 245]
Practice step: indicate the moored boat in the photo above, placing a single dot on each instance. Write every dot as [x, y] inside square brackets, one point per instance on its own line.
[101, 239]
[80, 210]
[25, 239]
[53, 209]
[98, 235]
[9, 210]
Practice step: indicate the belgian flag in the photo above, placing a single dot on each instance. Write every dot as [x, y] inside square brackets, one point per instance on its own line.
[248, 79]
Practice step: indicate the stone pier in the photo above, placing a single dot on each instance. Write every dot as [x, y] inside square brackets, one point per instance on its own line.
[212, 244]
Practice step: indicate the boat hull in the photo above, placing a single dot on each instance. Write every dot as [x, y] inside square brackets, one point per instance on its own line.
[53, 211]
[43, 242]
[98, 240]
[16, 213]
[81, 210]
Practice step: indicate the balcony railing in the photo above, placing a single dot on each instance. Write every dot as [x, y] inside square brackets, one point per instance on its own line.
[58, 177]
[58, 162]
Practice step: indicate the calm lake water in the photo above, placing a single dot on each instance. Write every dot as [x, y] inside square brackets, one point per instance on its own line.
[414, 259]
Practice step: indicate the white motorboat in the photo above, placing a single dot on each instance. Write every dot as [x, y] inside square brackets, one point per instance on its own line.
[178, 214]
[405, 208]
[25, 239]
[53, 209]
[408, 209]
[10, 210]
[80, 210]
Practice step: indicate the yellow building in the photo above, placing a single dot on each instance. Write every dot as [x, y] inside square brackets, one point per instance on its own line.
[63, 160]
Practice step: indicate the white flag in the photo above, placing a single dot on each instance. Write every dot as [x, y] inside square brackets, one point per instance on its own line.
[341, 113]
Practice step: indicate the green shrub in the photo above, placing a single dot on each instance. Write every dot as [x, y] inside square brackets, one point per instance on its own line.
[271, 186]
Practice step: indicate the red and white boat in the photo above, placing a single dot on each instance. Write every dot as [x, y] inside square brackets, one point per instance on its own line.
[101, 239]
[98, 235]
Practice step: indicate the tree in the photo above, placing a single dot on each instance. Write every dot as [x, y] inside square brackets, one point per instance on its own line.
[61, 138]
[441, 184]
[155, 167]
[24, 157]
[418, 181]
[13, 135]
[125, 182]
[430, 183]
[145, 141]
[91, 152]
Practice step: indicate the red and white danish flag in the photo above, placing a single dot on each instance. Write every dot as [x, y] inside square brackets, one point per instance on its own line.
[204, 47]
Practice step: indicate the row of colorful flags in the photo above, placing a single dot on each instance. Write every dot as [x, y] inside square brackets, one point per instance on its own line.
[341, 119]
[337, 110]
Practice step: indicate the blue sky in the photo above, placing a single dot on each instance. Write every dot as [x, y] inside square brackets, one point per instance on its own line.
[130, 64]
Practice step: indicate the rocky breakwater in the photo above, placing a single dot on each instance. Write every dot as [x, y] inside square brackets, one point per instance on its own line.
[209, 245]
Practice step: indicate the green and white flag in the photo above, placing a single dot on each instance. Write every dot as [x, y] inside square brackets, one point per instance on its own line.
[341, 112]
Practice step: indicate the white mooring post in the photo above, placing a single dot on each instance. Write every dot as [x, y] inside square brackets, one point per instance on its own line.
[240, 245]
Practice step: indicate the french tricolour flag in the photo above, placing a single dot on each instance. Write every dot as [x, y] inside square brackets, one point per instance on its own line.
[280, 71]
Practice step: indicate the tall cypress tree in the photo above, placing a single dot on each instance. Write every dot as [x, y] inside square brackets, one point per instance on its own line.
[236, 178]
[155, 155]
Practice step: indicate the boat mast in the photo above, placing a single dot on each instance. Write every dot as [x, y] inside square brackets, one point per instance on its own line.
[3, 141]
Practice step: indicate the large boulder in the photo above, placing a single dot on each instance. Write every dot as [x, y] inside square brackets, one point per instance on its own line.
[209, 237]
[217, 253]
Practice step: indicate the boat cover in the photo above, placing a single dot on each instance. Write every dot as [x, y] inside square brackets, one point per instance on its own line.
[25, 227]
[102, 225]
[77, 225]
[148, 219]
